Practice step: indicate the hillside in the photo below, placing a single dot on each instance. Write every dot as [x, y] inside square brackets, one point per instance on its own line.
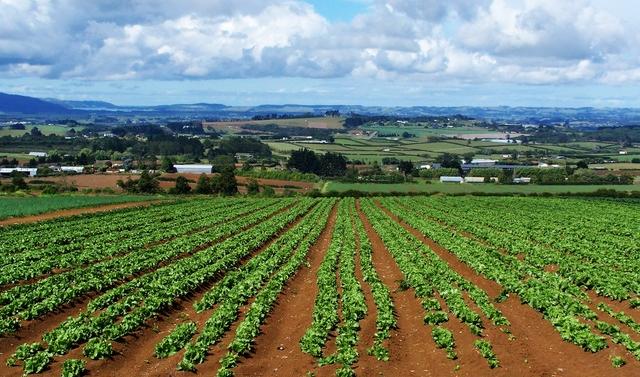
[11, 103]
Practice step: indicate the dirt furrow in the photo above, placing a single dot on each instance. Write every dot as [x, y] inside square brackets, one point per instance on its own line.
[537, 343]
[412, 350]
[276, 350]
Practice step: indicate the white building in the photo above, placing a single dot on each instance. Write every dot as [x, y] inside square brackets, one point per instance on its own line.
[38, 154]
[32, 172]
[194, 168]
[72, 169]
[448, 179]
[483, 162]
[473, 179]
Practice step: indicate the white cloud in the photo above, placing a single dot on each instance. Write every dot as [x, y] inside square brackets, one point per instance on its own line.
[515, 41]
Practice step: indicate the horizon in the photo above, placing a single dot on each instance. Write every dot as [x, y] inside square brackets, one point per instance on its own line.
[395, 53]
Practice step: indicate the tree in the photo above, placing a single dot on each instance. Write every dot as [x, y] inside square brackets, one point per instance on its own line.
[253, 188]
[167, 165]
[182, 186]
[17, 180]
[221, 163]
[468, 157]
[305, 161]
[406, 167]
[582, 165]
[448, 160]
[332, 165]
[203, 186]
[225, 183]
[35, 132]
[146, 184]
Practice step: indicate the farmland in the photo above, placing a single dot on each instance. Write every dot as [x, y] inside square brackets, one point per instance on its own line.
[31, 205]
[423, 286]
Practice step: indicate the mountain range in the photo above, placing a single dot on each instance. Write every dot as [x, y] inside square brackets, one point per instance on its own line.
[17, 105]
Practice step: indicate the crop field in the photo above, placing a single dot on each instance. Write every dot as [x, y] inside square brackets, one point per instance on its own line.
[318, 122]
[396, 286]
[32, 205]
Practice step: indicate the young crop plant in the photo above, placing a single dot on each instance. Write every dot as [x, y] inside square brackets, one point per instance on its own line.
[486, 350]
[444, 339]
[325, 311]
[176, 341]
[73, 368]
[618, 361]
[385, 319]
[249, 283]
[98, 349]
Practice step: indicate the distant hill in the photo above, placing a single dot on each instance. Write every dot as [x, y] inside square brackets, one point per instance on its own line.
[83, 105]
[11, 103]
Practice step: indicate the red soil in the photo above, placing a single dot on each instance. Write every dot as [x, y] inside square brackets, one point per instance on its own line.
[276, 351]
[72, 212]
[537, 349]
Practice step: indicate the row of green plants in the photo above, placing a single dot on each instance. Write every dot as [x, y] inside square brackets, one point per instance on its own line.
[147, 228]
[584, 250]
[432, 279]
[245, 282]
[30, 301]
[562, 303]
[155, 292]
[385, 310]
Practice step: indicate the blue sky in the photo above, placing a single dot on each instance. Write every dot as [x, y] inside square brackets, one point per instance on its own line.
[370, 52]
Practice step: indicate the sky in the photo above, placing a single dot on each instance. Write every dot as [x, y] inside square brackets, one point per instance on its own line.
[569, 53]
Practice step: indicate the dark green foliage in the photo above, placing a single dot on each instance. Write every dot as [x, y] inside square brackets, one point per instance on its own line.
[146, 184]
[73, 368]
[203, 186]
[253, 188]
[97, 349]
[304, 161]
[225, 183]
[182, 186]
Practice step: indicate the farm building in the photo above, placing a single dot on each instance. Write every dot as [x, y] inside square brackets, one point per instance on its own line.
[482, 163]
[473, 179]
[38, 154]
[522, 180]
[6, 172]
[447, 179]
[194, 168]
[72, 169]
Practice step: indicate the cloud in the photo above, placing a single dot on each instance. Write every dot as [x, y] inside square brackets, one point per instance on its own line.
[521, 41]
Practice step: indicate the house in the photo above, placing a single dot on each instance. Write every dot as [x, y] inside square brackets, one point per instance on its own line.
[194, 168]
[38, 154]
[448, 179]
[473, 179]
[72, 169]
[7, 172]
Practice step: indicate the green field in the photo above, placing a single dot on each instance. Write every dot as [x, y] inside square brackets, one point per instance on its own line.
[23, 206]
[453, 188]
[45, 129]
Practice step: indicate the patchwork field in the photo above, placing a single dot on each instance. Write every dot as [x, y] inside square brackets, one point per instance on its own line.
[318, 122]
[430, 286]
